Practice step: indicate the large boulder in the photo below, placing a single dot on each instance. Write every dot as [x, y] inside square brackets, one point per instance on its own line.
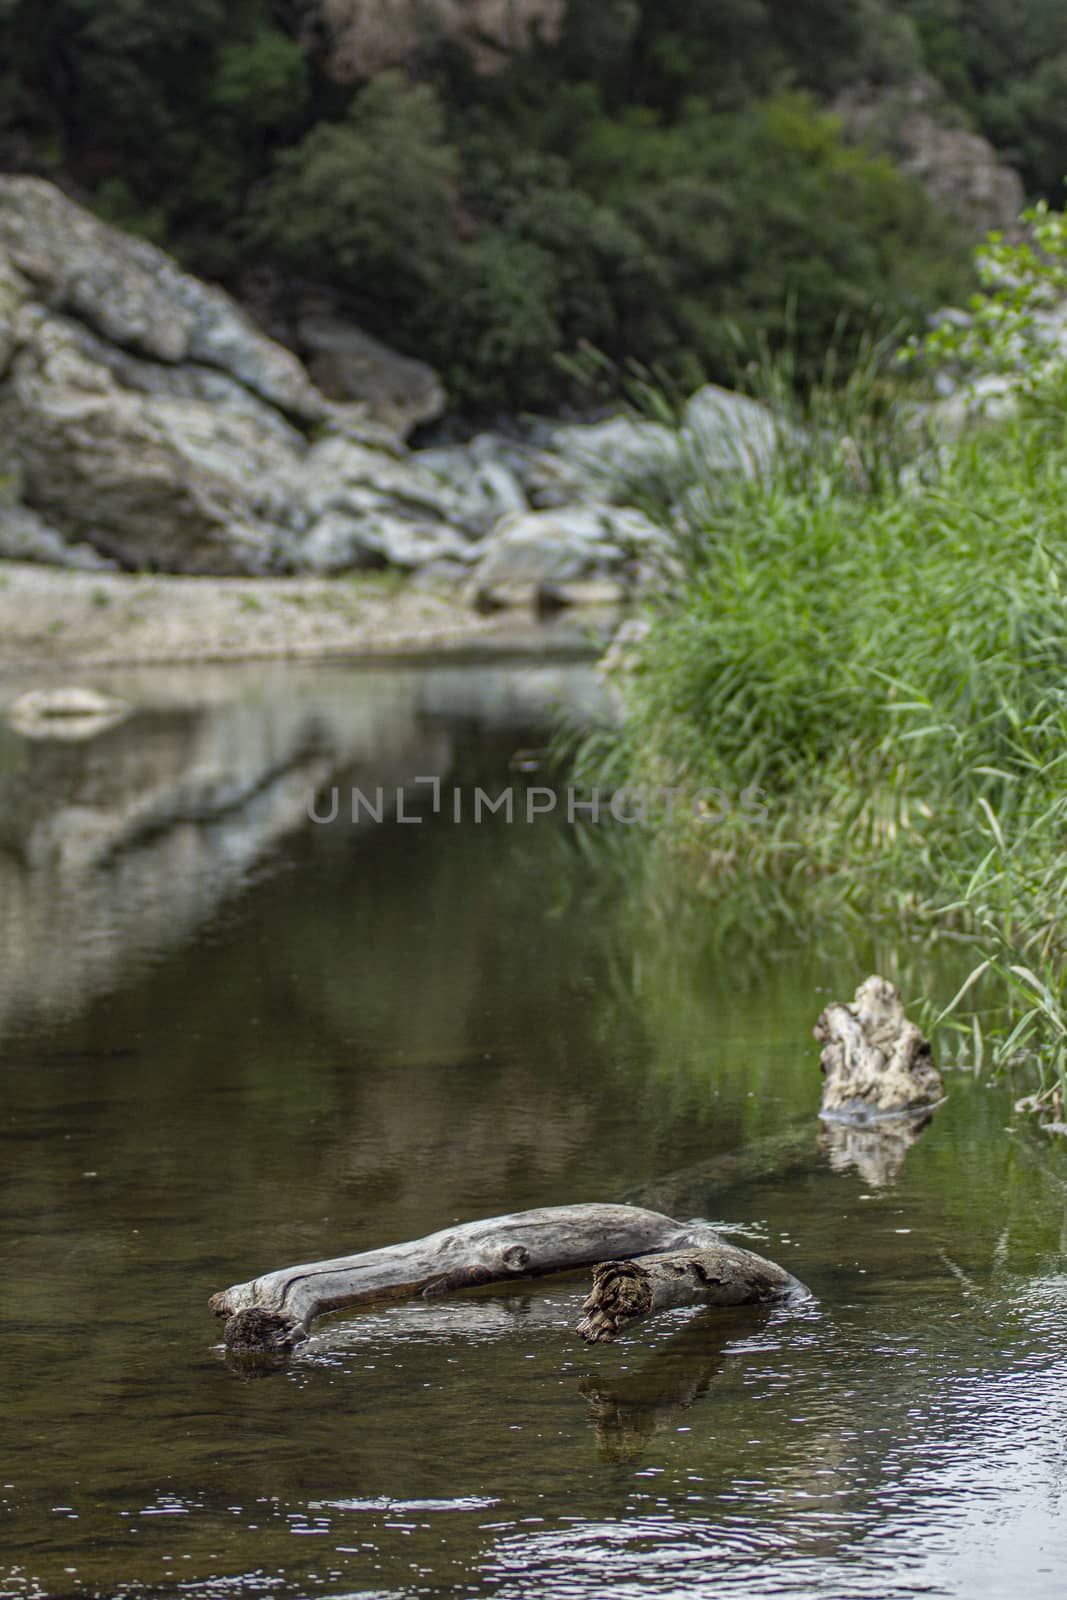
[726, 432]
[559, 546]
[145, 421]
[719, 432]
[608, 458]
[150, 480]
[348, 365]
[137, 297]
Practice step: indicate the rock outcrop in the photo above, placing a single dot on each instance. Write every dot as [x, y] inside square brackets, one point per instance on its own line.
[348, 365]
[364, 37]
[137, 297]
[960, 171]
[146, 422]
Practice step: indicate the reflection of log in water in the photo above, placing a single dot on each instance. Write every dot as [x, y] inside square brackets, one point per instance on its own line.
[874, 1150]
[627, 1409]
[696, 1190]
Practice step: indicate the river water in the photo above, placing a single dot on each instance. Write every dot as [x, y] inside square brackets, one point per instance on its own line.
[232, 1038]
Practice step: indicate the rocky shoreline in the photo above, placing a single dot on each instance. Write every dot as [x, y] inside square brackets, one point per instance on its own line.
[52, 619]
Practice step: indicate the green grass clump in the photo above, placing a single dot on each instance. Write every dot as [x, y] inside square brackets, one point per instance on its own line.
[880, 645]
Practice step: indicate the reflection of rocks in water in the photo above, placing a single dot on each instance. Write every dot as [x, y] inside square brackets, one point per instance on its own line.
[627, 1409]
[115, 847]
[67, 713]
[875, 1149]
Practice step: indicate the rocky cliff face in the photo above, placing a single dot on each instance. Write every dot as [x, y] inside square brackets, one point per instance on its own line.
[364, 37]
[146, 422]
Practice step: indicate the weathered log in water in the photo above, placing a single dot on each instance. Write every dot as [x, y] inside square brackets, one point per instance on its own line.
[878, 1070]
[711, 1275]
[273, 1313]
[880, 1090]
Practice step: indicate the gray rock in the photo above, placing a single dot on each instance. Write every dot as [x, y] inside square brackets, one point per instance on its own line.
[70, 713]
[561, 546]
[610, 456]
[347, 364]
[187, 382]
[991, 397]
[148, 479]
[362, 41]
[960, 171]
[25, 537]
[340, 542]
[727, 432]
[136, 296]
[341, 474]
[486, 487]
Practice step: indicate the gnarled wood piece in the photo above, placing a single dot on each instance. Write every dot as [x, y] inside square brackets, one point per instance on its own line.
[876, 1063]
[273, 1313]
[719, 1274]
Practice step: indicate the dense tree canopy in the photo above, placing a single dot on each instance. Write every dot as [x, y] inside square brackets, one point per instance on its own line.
[657, 182]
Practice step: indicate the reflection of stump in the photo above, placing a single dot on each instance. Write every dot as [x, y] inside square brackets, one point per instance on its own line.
[875, 1149]
[876, 1062]
[627, 1408]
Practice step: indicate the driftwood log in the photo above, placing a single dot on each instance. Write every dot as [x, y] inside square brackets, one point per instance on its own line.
[272, 1314]
[880, 1088]
[716, 1275]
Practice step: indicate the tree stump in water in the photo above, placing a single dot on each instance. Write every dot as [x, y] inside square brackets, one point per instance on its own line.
[876, 1063]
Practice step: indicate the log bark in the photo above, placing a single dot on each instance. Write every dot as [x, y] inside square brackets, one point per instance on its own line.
[719, 1274]
[273, 1313]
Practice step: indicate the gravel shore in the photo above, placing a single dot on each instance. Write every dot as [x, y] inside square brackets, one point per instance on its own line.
[54, 617]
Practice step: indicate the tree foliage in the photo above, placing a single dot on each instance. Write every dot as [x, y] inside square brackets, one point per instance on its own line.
[657, 183]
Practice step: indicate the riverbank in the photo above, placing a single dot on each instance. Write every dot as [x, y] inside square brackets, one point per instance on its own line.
[51, 617]
[878, 646]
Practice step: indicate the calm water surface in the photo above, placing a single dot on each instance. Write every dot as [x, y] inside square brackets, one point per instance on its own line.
[231, 1039]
